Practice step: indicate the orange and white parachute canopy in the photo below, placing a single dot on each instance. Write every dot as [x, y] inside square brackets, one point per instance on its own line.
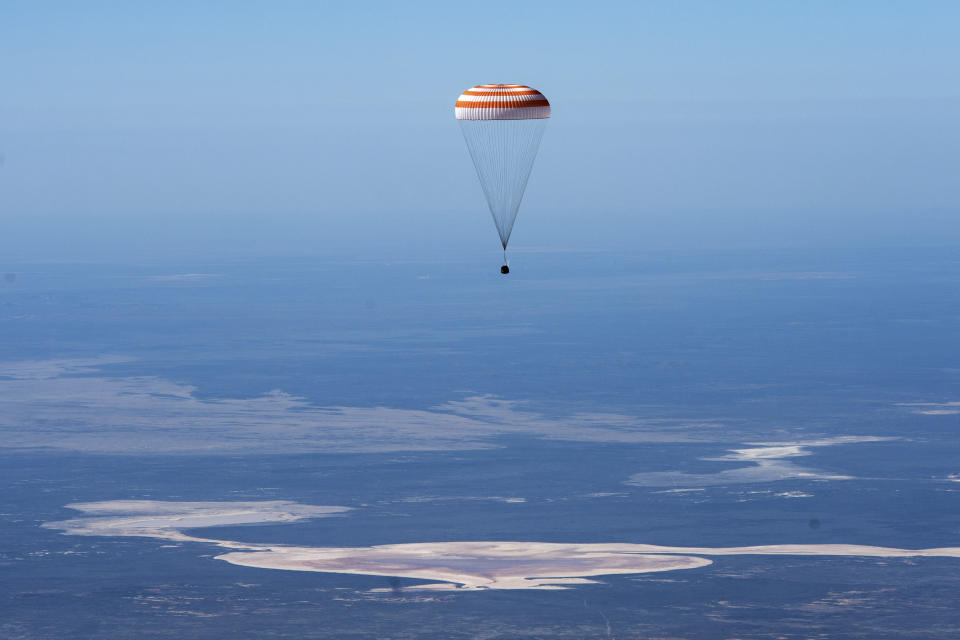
[502, 102]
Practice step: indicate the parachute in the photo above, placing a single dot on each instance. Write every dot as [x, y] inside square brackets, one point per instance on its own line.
[503, 125]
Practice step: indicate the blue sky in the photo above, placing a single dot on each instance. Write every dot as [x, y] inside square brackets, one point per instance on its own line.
[328, 126]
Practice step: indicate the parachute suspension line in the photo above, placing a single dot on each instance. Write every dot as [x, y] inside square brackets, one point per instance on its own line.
[503, 152]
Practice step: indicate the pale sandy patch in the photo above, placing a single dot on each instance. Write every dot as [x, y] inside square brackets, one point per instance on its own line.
[72, 405]
[768, 462]
[529, 565]
[452, 565]
[167, 520]
[932, 408]
[469, 565]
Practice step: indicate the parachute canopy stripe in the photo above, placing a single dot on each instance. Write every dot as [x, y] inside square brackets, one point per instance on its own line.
[530, 92]
[501, 102]
[491, 98]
